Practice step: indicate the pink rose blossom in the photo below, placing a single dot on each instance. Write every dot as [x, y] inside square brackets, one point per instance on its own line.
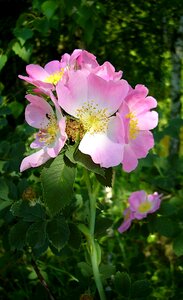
[51, 136]
[138, 119]
[93, 101]
[47, 78]
[140, 205]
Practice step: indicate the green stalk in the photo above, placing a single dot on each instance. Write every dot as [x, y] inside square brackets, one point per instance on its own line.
[91, 239]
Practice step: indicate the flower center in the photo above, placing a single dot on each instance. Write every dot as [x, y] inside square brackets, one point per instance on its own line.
[133, 124]
[93, 119]
[144, 207]
[55, 77]
[47, 135]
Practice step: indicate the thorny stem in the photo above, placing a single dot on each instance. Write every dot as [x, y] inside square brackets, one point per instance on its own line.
[92, 192]
[41, 279]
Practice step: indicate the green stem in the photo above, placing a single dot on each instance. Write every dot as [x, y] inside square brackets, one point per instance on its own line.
[91, 240]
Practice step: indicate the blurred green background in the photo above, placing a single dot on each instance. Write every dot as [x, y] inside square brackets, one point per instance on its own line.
[144, 39]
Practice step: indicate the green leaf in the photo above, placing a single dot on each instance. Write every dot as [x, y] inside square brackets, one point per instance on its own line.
[164, 226]
[23, 34]
[58, 232]
[122, 283]
[167, 209]
[178, 245]
[107, 271]
[28, 213]
[75, 236]
[101, 226]
[4, 190]
[16, 108]
[48, 8]
[17, 235]
[22, 52]
[3, 60]
[36, 234]
[76, 156]
[4, 204]
[57, 182]
[85, 268]
[141, 288]
[106, 178]
[84, 229]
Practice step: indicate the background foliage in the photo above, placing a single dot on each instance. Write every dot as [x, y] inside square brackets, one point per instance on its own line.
[145, 40]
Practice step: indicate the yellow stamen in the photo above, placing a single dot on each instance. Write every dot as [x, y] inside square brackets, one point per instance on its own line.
[134, 129]
[144, 207]
[55, 77]
[93, 119]
[48, 134]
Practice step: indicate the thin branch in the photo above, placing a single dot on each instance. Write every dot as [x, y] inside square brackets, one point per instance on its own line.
[41, 279]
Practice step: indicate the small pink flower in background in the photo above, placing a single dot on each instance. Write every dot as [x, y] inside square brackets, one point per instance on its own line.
[51, 136]
[140, 205]
[138, 119]
[93, 101]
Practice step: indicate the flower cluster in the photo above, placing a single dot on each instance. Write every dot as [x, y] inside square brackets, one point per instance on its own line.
[140, 205]
[78, 100]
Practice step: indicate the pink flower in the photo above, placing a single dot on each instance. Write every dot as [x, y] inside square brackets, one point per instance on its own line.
[51, 136]
[92, 102]
[137, 120]
[47, 78]
[44, 78]
[140, 205]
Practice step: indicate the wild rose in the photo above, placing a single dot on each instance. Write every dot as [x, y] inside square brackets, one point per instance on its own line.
[47, 77]
[140, 205]
[51, 136]
[92, 102]
[137, 119]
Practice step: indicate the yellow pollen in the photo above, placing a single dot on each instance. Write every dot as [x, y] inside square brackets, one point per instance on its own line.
[144, 207]
[55, 77]
[134, 129]
[48, 134]
[93, 119]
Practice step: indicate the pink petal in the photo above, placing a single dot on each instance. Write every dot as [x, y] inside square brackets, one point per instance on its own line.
[136, 198]
[54, 149]
[142, 105]
[148, 120]
[129, 161]
[36, 112]
[142, 144]
[107, 72]
[34, 160]
[102, 150]
[74, 95]
[52, 67]
[36, 72]
[107, 94]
